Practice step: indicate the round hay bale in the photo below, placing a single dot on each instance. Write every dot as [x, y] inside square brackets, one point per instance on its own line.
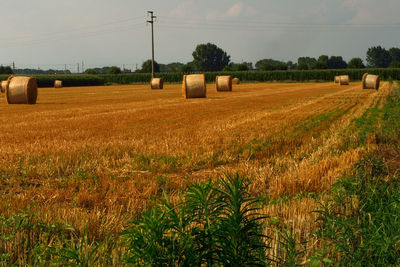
[336, 79]
[58, 84]
[3, 86]
[344, 80]
[235, 81]
[21, 90]
[223, 83]
[370, 81]
[194, 86]
[157, 83]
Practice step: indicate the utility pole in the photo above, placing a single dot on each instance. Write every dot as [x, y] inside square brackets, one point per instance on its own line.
[13, 66]
[65, 68]
[151, 21]
[83, 70]
[78, 67]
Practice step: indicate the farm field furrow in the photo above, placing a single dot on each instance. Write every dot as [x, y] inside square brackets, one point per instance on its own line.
[93, 156]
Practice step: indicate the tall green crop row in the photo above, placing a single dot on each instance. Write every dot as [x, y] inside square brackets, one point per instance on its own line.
[244, 76]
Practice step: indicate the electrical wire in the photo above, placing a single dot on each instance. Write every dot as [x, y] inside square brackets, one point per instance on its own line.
[126, 21]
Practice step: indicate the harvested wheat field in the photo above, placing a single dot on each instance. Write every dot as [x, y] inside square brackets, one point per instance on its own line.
[93, 157]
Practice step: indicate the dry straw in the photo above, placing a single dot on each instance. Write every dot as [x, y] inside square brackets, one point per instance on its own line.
[235, 81]
[344, 80]
[336, 79]
[194, 86]
[21, 90]
[3, 86]
[223, 83]
[58, 84]
[157, 83]
[370, 81]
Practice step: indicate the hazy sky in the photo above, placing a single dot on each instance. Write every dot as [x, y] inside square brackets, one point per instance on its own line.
[51, 33]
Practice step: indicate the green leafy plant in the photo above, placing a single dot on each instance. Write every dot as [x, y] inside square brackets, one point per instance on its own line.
[360, 223]
[215, 224]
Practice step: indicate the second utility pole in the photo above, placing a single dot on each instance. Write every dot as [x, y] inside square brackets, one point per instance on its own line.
[151, 21]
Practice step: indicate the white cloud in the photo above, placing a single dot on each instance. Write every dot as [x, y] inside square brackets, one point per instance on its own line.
[240, 9]
[236, 10]
[185, 9]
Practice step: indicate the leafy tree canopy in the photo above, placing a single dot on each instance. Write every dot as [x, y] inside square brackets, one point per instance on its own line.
[271, 64]
[245, 66]
[336, 62]
[146, 66]
[395, 54]
[6, 70]
[305, 63]
[209, 57]
[355, 63]
[378, 57]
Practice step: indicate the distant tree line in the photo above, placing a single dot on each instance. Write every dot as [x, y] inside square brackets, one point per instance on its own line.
[39, 71]
[5, 70]
[106, 70]
[209, 57]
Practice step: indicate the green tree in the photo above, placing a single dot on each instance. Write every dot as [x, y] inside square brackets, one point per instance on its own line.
[271, 64]
[321, 63]
[112, 70]
[186, 68]
[146, 66]
[395, 64]
[174, 67]
[378, 57]
[356, 63]
[245, 66]
[395, 54]
[336, 62]
[6, 70]
[93, 71]
[209, 57]
[305, 63]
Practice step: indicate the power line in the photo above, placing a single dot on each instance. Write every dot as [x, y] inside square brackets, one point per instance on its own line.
[266, 23]
[79, 35]
[101, 25]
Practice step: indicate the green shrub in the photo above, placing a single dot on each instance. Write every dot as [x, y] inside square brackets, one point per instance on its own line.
[216, 224]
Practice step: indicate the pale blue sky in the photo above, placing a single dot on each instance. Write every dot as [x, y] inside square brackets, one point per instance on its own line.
[51, 33]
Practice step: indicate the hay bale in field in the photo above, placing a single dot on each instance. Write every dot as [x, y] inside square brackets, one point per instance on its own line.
[58, 84]
[370, 81]
[336, 79]
[344, 80]
[21, 90]
[235, 81]
[223, 83]
[157, 83]
[3, 86]
[194, 86]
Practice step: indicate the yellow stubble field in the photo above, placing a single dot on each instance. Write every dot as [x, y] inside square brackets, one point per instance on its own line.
[92, 157]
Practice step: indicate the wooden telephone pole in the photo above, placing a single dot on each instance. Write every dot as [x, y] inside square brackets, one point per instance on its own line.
[151, 21]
